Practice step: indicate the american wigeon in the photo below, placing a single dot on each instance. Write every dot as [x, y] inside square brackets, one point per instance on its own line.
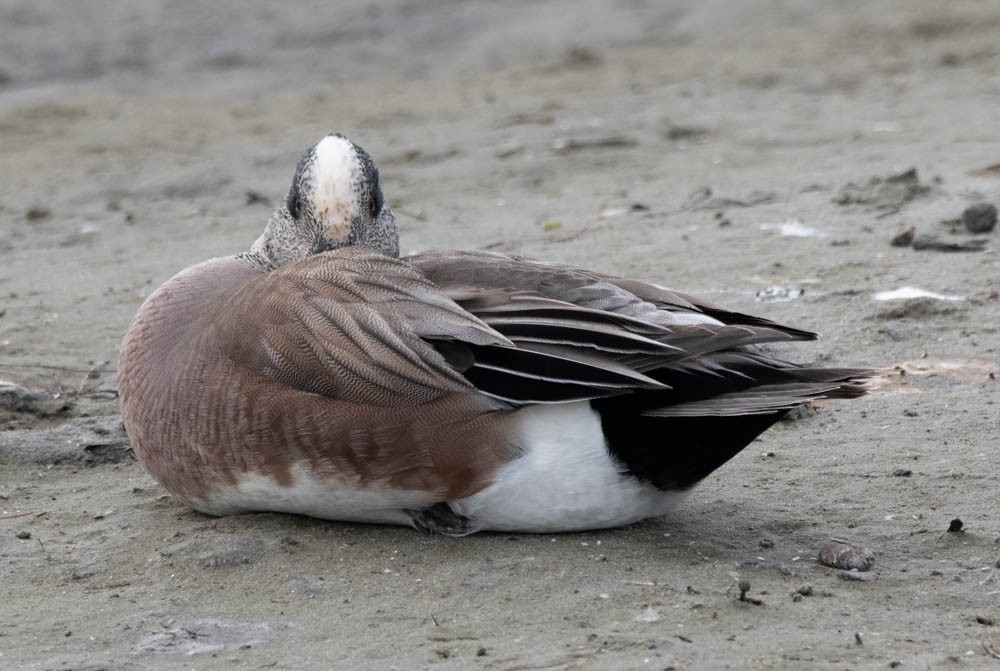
[321, 374]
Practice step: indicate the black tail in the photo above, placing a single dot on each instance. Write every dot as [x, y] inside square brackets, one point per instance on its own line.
[714, 408]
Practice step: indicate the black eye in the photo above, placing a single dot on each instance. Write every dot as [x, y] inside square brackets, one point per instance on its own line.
[377, 199]
[293, 203]
[376, 203]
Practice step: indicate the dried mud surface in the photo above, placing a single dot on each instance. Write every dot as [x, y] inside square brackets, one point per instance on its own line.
[756, 153]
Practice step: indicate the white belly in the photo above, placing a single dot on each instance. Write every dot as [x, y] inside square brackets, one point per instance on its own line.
[565, 481]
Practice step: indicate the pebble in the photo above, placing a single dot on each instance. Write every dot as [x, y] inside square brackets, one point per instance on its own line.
[980, 218]
[36, 213]
[836, 554]
[904, 238]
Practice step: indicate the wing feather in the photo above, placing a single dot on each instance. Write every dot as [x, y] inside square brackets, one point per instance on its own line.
[703, 356]
[369, 329]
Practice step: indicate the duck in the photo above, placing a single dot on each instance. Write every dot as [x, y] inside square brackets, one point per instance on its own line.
[320, 373]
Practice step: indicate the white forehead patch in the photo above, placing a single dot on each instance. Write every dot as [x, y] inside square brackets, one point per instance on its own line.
[334, 200]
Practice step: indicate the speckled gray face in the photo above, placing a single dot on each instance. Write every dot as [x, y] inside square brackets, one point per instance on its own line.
[336, 191]
[335, 201]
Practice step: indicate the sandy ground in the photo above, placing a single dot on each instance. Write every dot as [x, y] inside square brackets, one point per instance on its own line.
[677, 142]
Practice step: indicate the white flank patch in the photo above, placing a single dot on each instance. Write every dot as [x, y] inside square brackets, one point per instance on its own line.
[913, 292]
[326, 498]
[793, 228]
[333, 195]
[565, 481]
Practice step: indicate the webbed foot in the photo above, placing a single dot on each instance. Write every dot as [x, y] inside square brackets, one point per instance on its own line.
[441, 519]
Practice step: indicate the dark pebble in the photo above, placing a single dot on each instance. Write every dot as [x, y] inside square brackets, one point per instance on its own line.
[980, 218]
[956, 526]
[904, 238]
[36, 213]
[23, 535]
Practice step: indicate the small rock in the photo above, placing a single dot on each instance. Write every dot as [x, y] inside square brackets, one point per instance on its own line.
[37, 213]
[23, 535]
[904, 239]
[980, 218]
[837, 554]
[956, 526]
[902, 472]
